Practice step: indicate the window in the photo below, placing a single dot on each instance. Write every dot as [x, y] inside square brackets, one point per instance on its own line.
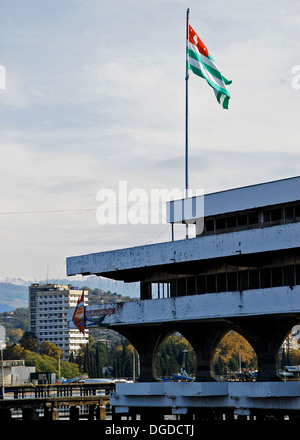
[266, 216]
[265, 278]
[253, 218]
[289, 213]
[232, 281]
[209, 225]
[211, 283]
[231, 222]
[221, 223]
[297, 270]
[243, 280]
[254, 279]
[221, 282]
[201, 286]
[242, 220]
[289, 279]
[277, 279]
[276, 214]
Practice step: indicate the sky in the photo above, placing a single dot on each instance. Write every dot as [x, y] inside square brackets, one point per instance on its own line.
[95, 95]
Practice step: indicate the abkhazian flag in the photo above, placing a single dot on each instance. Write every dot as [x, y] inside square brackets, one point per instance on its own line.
[200, 62]
[78, 316]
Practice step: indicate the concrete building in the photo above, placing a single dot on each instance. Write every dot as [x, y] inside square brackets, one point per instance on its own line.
[15, 372]
[48, 305]
[241, 272]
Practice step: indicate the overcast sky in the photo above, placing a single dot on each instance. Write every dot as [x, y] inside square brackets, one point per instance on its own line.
[95, 94]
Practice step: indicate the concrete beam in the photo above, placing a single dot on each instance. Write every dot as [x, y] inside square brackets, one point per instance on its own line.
[131, 264]
[237, 199]
[180, 395]
[276, 301]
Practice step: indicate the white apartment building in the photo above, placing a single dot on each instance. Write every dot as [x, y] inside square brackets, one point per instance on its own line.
[48, 305]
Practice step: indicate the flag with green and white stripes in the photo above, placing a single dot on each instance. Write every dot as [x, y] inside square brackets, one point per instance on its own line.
[202, 64]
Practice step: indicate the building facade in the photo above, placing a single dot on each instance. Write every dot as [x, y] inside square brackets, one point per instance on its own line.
[240, 272]
[15, 372]
[48, 306]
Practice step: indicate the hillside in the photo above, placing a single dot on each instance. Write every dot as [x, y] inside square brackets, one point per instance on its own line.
[14, 291]
[16, 321]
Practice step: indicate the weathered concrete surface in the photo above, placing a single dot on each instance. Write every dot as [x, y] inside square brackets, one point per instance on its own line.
[239, 199]
[179, 396]
[128, 264]
[282, 301]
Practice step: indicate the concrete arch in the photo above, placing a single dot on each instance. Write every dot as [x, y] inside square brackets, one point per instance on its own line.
[146, 339]
[167, 335]
[266, 336]
[204, 337]
[243, 336]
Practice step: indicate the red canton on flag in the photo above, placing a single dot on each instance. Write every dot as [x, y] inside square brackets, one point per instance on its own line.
[200, 62]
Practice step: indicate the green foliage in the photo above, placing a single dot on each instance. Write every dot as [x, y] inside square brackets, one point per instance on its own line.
[233, 365]
[15, 320]
[97, 296]
[91, 359]
[44, 363]
[50, 349]
[29, 341]
[170, 357]
[122, 360]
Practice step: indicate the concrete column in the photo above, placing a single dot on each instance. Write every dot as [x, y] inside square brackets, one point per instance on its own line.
[204, 337]
[100, 413]
[266, 336]
[74, 413]
[5, 414]
[30, 414]
[145, 290]
[146, 339]
[51, 414]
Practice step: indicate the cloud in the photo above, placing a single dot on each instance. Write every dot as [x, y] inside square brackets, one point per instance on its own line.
[96, 94]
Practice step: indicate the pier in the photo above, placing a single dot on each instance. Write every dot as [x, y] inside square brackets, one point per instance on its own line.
[53, 402]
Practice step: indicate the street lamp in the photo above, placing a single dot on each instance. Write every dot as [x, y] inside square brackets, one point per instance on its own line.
[2, 346]
[133, 364]
[240, 359]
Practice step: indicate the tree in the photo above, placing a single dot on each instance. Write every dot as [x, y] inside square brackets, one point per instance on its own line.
[231, 346]
[16, 334]
[121, 357]
[14, 352]
[169, 357]
[232, 364]
[29, 341]
[44, 363]
[91, 358]
[50, 349]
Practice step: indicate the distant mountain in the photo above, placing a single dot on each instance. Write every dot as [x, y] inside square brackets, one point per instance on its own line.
[15, 281]
[14, 291]
[12, 296]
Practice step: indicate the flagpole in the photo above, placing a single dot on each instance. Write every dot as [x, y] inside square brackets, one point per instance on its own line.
[186, 107]
[186, 114]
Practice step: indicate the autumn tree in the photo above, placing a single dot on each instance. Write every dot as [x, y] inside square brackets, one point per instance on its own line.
[15, 334]
[14, 352]
[231, 348]
[50, 349]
